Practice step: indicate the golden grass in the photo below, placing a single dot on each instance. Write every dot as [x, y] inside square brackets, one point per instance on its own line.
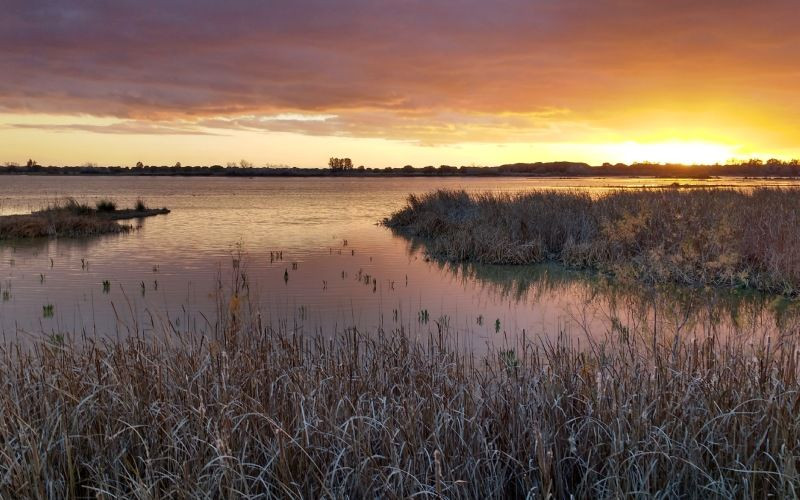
[695, 237]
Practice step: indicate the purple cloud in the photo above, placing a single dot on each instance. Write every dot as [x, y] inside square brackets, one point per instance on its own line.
[207, 60]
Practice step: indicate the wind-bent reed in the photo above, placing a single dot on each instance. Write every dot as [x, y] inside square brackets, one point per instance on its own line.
[255, 411]
[694, 237]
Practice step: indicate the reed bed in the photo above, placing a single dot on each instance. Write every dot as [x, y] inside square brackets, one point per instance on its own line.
[61, 224]
[696, 237]
[72, 219]
[255, 411]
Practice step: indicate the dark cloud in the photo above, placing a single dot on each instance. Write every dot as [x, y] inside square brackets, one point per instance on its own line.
[402, 61]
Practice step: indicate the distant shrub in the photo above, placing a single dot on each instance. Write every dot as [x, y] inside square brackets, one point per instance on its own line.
[106, 206]
[140, 206]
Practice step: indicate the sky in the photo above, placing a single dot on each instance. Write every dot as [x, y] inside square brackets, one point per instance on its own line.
[390, 83]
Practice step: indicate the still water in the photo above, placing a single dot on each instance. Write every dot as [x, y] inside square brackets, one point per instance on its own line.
[315, 259]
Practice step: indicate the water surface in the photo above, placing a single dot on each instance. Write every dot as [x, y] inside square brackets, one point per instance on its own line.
[343, 269]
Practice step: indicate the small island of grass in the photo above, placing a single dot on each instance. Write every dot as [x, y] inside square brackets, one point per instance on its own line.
[69, 218]
[698, 237]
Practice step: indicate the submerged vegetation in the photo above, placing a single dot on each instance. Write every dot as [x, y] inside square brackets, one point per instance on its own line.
[696, 237]
[70, 218]
[249, 410]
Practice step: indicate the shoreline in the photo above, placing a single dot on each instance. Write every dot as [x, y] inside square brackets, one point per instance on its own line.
[772, 168]
[127, 214]
[396, 175]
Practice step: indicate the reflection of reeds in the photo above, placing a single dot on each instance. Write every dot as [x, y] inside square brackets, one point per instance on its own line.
[258, 411]
[519, 283]
[696, 237]
[707, 310]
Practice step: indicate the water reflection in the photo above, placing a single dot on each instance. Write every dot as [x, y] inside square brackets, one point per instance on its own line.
[598, 304]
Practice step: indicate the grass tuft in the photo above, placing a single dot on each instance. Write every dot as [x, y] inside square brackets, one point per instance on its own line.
[106, 205]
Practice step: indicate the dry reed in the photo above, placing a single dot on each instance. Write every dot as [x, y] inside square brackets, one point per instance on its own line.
[693, 237]
[266, 412]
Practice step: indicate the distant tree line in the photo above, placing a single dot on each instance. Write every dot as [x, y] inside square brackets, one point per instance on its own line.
[340, 164]
[344, 166]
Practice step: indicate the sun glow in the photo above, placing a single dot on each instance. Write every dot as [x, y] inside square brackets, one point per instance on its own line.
[684, 152]
[74, 140]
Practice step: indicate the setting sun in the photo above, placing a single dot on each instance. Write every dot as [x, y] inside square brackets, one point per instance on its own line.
[683, 152]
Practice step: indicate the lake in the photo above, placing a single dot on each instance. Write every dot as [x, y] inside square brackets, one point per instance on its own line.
[316, 260]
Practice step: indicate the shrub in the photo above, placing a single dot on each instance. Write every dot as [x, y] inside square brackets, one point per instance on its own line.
[106, 205]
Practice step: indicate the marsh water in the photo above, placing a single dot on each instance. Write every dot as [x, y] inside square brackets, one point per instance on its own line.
[316, 259]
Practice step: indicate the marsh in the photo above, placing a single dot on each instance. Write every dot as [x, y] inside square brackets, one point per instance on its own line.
[223, 314]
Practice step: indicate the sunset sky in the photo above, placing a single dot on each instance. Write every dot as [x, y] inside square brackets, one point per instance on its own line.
[396, 82]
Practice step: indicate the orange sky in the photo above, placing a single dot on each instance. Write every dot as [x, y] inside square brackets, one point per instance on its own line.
[397, 82]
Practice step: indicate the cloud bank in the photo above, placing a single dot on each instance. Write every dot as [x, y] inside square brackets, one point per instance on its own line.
[428, 71]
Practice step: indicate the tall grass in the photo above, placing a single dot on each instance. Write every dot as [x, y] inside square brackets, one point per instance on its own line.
[69, 205]
[247, 410]
[696, 237]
